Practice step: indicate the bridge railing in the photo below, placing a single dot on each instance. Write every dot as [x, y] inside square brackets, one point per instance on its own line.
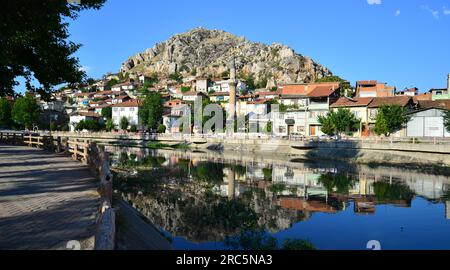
[88, 153]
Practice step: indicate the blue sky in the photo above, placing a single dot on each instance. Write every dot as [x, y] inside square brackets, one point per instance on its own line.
[405, 43]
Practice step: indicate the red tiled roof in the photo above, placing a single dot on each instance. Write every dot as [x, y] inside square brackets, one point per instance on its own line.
[130, 103]
[398, 100]
[306, 89]
[86, 114]
[352, 102]
[323, 91]
[259, 101]
[110, 92]
[220, 94]
[266, 93]
[439, 104]
[367, 82]
[293, 89]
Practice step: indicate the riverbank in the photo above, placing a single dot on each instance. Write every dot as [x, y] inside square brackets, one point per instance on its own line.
[398, 153]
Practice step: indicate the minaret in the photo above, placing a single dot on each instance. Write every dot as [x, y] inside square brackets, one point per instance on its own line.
[231, 179]
[448, 83]
[232, 102]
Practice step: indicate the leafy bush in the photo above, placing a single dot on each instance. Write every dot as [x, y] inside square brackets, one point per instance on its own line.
[90, 125]
[161, 128]
[133, 128]
[124, 123]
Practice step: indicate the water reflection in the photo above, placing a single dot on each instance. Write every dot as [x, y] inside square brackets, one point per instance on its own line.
[207, 200]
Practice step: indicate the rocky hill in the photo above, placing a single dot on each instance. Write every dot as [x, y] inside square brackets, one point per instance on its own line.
[207, 53]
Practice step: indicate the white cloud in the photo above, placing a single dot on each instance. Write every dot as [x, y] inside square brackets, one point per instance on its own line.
[397, 13]
[433, 12]
[374, 2]
[446, 11]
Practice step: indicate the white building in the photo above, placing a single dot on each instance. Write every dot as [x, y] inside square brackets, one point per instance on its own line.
[427, 123]
[289, 123]
[201, 85]
[79, 116]
[128, 109]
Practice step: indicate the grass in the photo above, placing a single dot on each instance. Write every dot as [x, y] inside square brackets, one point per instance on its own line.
[157, 145]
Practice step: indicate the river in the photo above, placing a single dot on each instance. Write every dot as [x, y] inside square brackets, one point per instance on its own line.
[212, 200]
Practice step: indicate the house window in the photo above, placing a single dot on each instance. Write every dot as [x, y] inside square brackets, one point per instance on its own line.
[300, 129]
[131, 109]
[282, 129]
[122, 109]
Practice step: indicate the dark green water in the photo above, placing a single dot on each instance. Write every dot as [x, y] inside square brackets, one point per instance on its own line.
[231, 201]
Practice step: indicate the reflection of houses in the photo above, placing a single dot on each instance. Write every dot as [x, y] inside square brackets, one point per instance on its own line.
[305, 205]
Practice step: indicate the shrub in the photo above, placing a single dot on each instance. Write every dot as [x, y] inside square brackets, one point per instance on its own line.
[124, 123]
[161, 128]
[53, 126]
[133, 128]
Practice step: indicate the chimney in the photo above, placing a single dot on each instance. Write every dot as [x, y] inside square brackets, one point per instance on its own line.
[448, 83]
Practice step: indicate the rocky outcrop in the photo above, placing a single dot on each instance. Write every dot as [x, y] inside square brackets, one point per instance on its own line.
[203, 52]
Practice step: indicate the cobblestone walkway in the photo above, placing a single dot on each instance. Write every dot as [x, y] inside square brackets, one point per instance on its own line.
[46, 200]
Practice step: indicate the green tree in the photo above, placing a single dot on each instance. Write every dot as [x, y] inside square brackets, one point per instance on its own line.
[176, 77]
[25, 111]
[185, 89]
[381, 126]
[161, 128]
[5, 113]
[53, 126]
[124, 123]
[446, 116]
[345, 85]
[112, 82]
[133, 128]
[269, 127]
[342, 120]
[109, 125]
[390, 118]
[107, 112]
[88, 124]
[34, 45]
[151, 111]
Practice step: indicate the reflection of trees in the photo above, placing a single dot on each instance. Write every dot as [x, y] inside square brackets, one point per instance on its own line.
[239, 170]
[396, 191]
[130, 161]
[260, 240]
[339, 183]
[208, 172]
[267, 172]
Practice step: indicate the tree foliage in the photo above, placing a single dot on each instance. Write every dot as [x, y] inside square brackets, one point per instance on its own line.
[342, 120]
[390, 118]
[107, 112]
[109, 125]
[25, 111]
[5, 113]
[446, 116]
[34, 45]
[124, 123]
[151, 111]
[88, 124]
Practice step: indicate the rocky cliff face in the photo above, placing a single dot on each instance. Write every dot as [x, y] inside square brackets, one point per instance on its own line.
[203, 52]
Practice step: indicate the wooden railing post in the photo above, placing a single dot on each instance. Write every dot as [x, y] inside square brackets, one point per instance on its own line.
[75, 149]
[85, 152]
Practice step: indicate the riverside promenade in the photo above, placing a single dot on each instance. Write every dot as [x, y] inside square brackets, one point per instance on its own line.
[46, 200]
